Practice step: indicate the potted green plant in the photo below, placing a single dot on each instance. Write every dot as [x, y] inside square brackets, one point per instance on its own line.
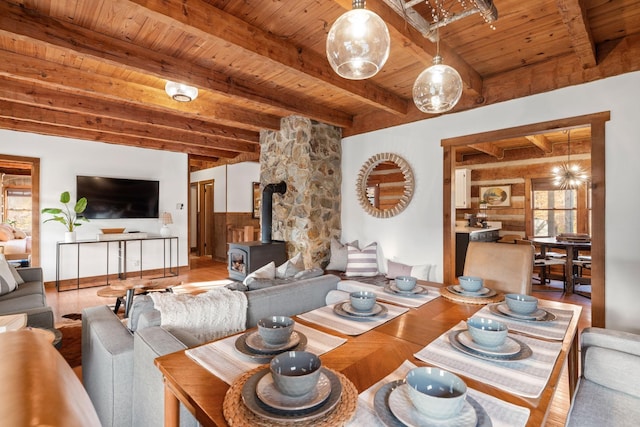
[68, 216]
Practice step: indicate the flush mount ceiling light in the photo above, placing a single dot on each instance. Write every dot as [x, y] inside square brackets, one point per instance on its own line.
[181, 92]
[569, 176]
[358, 43]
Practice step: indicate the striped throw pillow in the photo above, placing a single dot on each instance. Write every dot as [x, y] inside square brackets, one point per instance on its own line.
[362, 262]
[7, 280]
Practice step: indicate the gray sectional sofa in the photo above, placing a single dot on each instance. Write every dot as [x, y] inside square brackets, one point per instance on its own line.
[29, 298]
[118, 364]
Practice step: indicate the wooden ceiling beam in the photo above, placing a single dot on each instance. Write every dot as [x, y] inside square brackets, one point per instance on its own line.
[30, 75]
[489, 148]
[615, 57]
[21, 125]
[128, 94]
[541, 141]
[224, 147]
[422, 48]
[99, 109]
[208, 21]
[17, 22]
[574, 17]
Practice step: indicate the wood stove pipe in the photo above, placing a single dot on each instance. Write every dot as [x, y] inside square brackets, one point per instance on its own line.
[266, 210]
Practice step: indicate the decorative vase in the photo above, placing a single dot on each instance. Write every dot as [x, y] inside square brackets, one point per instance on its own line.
[69, 236]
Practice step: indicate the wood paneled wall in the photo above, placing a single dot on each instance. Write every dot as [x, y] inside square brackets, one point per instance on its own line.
[235, 219]
[517, 174]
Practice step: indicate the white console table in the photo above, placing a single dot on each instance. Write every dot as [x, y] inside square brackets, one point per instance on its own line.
[122, 241]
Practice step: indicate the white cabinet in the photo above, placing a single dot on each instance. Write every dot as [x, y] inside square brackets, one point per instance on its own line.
[463, 188]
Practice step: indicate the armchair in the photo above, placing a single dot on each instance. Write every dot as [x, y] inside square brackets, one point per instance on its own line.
[608, 392]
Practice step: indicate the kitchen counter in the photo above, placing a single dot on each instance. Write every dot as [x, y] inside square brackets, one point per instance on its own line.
[463, 227]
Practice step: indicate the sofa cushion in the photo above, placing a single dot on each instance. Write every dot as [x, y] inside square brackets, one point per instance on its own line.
[21, 304]
[338, 260]
[8, 281]
[596, 405]
[309, 273]
[362, 262]
[28, 288]
[290, 299]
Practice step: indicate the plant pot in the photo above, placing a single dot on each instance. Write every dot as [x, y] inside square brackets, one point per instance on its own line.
[69, 236]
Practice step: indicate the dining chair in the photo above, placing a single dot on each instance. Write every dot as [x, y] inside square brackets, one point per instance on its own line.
[504, 268]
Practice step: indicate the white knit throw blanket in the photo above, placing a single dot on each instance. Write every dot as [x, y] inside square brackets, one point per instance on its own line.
[207, 316]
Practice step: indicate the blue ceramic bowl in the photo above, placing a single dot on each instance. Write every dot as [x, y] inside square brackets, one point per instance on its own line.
[435, 392]
[470, 283]
[406, 283]
[295, 373]
[275, 330]
[521, 303]
[362, 300]
[487, 332]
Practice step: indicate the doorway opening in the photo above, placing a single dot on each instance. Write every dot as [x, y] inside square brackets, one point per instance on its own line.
[21, 203]
[596, 124]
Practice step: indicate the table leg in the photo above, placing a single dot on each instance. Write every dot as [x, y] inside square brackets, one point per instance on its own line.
[572, 366]
[568, 272]
[171, 408]
[127, 304]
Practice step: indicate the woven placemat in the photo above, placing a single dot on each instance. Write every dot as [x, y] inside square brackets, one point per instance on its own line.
[237, 414]
[470, 300]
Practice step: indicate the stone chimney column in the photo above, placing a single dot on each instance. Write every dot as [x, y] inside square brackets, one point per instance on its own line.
[307, 156]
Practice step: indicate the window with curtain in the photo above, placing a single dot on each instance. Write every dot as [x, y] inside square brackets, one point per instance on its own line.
[558, 211]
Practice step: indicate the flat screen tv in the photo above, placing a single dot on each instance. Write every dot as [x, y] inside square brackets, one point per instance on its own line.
[110, 198]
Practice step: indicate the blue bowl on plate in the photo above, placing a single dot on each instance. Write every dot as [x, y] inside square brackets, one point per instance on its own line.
[521, 303]
[406, 283]
[470, 283]
[487, 332]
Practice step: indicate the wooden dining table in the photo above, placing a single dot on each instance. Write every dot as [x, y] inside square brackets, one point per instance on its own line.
[572, 249]
[366, 359]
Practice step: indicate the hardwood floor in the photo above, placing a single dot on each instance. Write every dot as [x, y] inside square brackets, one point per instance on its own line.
[204, 269]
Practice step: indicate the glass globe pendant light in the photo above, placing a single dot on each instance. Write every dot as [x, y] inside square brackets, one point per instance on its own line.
[358, 43]
[438, 88]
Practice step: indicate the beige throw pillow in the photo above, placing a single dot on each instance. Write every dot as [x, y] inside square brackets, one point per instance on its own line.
[338, 261]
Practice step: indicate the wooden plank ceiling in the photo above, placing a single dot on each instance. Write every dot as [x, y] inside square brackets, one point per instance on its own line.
[96, 69]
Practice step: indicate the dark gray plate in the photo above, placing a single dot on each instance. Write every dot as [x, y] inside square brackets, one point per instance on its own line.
[244, 349]
[337, 309]
[263, 410]
[381, 406]
[525, 350]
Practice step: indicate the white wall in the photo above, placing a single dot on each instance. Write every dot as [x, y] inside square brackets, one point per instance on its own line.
[61, 159]
[232, 187]
[415, 236]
